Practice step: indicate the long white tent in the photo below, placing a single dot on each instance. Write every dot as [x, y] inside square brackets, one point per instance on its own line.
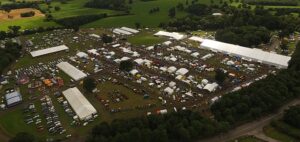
[82, 107]
[49, 50]
[130, 30]
[173, 35]
[121, 32]
[257, 55]
[72, 71]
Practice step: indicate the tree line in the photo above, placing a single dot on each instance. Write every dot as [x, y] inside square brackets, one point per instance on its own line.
[77, 21]
[174, 127]
[108, 4]
[9, 54]
[245, 36]
[273, 2]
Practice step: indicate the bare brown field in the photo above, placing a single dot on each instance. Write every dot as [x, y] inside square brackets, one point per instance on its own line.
[16, 14]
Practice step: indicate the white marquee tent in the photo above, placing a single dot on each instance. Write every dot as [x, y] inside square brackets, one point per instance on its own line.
[72, 71]
[258, 55]
[173, 35]
[82, 107]
[130, 30]
[48, 50]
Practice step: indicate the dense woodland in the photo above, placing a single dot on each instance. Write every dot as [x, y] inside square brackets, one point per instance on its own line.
[176, 127]
[9, 54]
[245, 36]
[272, 2]
[79, 20]
[107, 4]
[292, 116]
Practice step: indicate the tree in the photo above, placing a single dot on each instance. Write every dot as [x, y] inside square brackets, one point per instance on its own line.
[23, 137]
[292, 116]
[137, 25]
[220, 76]
[172, 12]
[14, 29]
[89, 84]
[106, 38]
[126, 65]
[56, 8]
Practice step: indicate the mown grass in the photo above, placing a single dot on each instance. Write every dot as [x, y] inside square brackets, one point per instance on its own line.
[27, 23]
[145, 38]
[74, 8]
[140, 11]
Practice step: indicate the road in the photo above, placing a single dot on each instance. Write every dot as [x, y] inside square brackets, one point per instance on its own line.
[253, 128]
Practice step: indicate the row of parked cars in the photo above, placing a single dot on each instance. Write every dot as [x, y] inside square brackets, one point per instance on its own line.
[53, 123]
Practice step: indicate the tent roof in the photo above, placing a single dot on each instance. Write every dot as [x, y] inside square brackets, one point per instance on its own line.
[253, 54]
[130, 30]
[79, 103]
[173, 35]
[48, 50]
[72, 71]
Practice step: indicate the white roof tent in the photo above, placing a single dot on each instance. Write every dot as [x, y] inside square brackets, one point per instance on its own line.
[13, 98]
[72, 71]
[196, 38]
[121, 32]
[130, 30]
[82, 107]
[49, 50]
[173, 35]
[257, 55]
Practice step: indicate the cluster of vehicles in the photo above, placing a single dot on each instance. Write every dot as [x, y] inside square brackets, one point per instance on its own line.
[54, 125]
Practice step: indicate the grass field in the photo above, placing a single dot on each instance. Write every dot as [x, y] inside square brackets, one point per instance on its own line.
[28, 23]
[145, 38]
[75, 8]
[140, 11]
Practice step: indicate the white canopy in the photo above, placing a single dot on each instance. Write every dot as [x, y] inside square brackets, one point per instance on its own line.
[130, 30]
[122, 32]
[171, 69]
[82, 107]
[211, 87]
[93, 51]
[72, 71]
[173, 35]
[82, 55]
[258, 55]
[182, 71]
[48, 50]
[169, 90]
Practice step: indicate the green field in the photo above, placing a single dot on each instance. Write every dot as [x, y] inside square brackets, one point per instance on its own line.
[27, 23]
[74, 8]
[140, 11]
[145, 38]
